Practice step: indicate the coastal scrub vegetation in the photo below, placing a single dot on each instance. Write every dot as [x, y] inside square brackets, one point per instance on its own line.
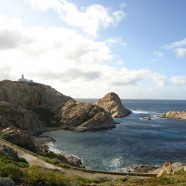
[20, 173]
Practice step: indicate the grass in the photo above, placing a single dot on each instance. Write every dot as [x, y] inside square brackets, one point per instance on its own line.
[19, 171]
[37, 176]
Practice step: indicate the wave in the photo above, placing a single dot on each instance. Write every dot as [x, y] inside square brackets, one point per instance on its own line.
[53, 148]
[115, 165]
[144, 112]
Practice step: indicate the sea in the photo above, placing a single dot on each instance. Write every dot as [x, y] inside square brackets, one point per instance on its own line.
[134, 141]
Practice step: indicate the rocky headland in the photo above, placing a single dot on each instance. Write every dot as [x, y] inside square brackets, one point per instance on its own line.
[174, 115]
[112, 103]
[28, 109]
[35, 107]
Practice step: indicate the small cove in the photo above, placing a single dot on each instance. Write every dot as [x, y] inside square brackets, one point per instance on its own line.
[133, 141]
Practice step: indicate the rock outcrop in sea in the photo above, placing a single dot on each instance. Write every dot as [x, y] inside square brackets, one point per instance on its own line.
[34, 107]
[112, 103]
[174, 115]
[85, 116]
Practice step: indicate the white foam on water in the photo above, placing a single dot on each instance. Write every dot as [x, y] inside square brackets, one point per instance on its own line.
[140, 112]
[53, 148]
[116, 165]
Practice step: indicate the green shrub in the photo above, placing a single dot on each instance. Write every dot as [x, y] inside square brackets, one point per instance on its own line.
[38, 176]
[8, 160]
[11, 171]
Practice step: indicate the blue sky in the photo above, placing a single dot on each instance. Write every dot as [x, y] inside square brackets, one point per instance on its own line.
[88, 48]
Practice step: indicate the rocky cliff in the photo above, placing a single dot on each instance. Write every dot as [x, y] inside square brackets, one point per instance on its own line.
[112, 103]
[85, 116]
[33, 107]
[174, 115]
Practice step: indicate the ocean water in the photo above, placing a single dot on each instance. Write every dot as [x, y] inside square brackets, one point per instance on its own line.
[133, 141]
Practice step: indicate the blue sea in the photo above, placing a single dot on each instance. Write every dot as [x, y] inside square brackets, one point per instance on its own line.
[134, 141]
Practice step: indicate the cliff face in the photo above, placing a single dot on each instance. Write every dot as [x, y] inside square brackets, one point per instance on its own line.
[112, 103]
[19, 117]
[31, 95]
[33, 106]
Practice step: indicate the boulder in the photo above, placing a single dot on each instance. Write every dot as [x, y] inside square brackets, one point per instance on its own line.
[84, 117]
[170, 168]
[147, 118]
[174, 115]
[67, 159]
[19, 137]
[112, 103]
[7, 151]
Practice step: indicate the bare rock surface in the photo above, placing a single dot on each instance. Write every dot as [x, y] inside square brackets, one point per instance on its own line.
[19, 117]
[34, 107]
[174, 115]
[169, 168]
[19, 137]
[85, 116]
[112, 103]
[67, 159]
[31, 95]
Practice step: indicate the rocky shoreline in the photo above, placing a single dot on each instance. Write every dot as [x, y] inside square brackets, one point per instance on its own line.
[27, 110]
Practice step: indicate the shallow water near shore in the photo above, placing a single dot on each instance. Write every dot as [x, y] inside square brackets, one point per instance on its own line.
[133, 141]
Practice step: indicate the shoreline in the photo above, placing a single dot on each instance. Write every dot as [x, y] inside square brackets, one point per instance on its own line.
[133, 168]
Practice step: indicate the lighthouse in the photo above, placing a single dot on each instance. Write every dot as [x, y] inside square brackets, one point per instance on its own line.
[22, 79]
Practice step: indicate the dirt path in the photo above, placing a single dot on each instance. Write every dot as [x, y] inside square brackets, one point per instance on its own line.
[36, 161]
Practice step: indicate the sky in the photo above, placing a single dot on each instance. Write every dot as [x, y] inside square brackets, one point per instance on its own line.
[85, 49]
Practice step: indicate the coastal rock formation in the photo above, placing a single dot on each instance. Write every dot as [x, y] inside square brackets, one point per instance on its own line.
[170, 168]
[31, 95]
[19, 117]
[147, 118]
[141, 168]
[7, 151]
[112, 103]
[174, 115]
[19, 137]
[34, 107]
[41, 143]
[85, 116]
[70, 160]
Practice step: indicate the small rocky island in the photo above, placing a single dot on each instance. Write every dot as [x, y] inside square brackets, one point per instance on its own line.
[112, 103]
[174, 115]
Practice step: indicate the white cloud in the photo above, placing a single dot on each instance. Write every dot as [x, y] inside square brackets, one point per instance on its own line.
[179, 47]
[158, 54]
[68, 60]
[179, 80]
[159, 79]
[121, 77]
[90, 19]
[180, 52]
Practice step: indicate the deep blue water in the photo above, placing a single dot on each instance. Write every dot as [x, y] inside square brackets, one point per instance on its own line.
[133, 141]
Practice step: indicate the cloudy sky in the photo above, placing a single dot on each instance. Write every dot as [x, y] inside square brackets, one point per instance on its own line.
[84, 49]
